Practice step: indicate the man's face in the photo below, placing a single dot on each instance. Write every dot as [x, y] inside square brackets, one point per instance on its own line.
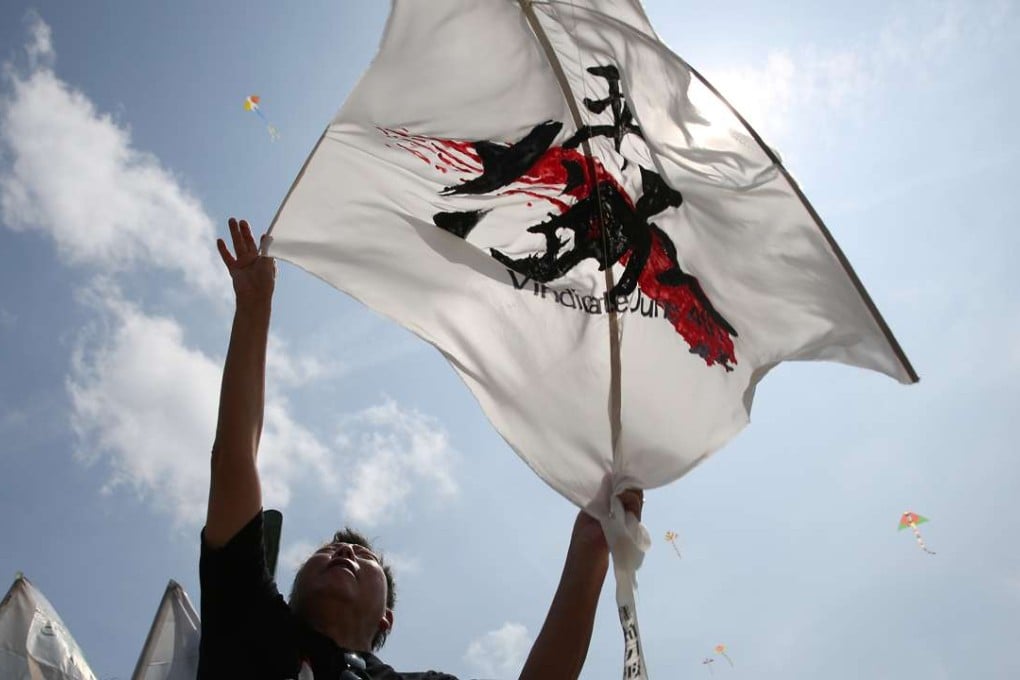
[345, 575]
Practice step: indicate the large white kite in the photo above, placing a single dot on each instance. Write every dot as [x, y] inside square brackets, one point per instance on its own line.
[605, 252]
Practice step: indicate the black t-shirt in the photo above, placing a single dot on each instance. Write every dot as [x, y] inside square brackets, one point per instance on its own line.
[249, 632]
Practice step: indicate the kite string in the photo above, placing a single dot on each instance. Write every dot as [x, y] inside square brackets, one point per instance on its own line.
[920, 541]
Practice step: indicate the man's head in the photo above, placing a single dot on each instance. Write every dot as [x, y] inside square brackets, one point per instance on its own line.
[346, 583]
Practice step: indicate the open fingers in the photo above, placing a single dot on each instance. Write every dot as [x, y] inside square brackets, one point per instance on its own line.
[225, 255]
[240, 234]
[235, 235]
[248, 239]
[245, 249]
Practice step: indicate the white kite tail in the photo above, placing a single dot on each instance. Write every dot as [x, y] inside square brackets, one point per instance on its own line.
[628, 541]
[920, 541]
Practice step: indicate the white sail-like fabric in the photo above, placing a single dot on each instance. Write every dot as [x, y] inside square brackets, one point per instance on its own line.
[171, 647]
[496, 159]
[34, 642]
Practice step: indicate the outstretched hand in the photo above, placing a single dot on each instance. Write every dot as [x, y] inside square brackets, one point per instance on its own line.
[253, 275]
[588, 533]
[562, 644]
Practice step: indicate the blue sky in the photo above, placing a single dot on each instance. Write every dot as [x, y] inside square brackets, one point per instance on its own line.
[124, 148]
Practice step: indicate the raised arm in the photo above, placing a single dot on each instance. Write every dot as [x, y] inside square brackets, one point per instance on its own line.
[235, 495]
[562, 644]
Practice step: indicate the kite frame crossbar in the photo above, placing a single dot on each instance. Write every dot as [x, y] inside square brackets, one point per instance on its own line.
[529, 13]
[836, 250]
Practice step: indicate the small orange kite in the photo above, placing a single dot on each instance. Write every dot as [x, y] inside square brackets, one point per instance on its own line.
[912, 519]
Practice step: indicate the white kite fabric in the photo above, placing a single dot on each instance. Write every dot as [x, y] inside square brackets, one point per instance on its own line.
[496, 158]
[34, 642]
[171, 647]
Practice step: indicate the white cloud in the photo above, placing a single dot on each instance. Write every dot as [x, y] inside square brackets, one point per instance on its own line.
[142, 401]
[921, 35]
[820, 82]
[73, 173]
[500, 653]
[289, 450]
[39, 47]
[398, 451]
[366, 341]
[815, 82]
[288, 370]
[292, 556]
[145, 403]
[763, 96]
[402, 564]
[8, 320]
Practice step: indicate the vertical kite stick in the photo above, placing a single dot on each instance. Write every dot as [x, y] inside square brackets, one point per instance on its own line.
[614, 323]
[634, 659]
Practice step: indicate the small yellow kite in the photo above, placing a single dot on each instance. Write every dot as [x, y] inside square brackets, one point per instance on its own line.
[671, 537]
[251, 103]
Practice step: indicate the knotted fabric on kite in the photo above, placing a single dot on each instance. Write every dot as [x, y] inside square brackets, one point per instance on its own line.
[628, 542]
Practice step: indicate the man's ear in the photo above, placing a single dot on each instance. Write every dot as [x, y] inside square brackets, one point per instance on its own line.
[386, 622]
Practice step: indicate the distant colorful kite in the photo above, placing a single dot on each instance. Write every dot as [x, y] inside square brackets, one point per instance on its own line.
[721, 650]
[707, 663]
[912, 519]
[252, 104]
[671, 537]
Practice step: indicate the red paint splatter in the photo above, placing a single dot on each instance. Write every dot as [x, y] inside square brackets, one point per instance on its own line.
[414, 151]
[457, 163]
[553, 172]
[551, 169]
[442, 154]
[683, 309]
[559, 205]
